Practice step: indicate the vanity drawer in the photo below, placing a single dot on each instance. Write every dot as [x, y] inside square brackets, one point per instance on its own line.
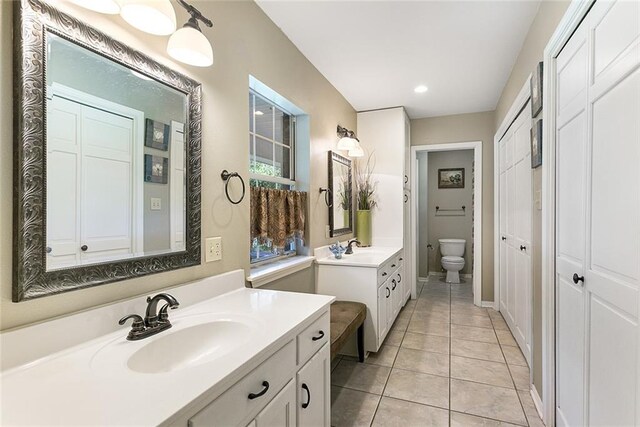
[313, 338]
[384, 272]
[234, 406]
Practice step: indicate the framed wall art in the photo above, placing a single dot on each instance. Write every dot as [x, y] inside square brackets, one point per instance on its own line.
[451, 178]
[536, 144]
[156, 135]
[536, 91]
[156, 169]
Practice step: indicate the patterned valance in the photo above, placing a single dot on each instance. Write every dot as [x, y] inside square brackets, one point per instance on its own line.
[277, 214]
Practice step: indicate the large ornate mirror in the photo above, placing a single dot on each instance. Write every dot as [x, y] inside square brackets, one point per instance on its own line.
[108, 158]
[341, 209]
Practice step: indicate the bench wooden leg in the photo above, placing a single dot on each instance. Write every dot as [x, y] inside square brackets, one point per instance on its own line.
[361, 343]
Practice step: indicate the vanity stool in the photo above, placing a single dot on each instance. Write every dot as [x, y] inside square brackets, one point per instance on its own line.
[346, 317]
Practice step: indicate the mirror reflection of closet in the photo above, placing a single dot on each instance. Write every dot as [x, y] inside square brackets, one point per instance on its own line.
[115, 174]
[340, 186]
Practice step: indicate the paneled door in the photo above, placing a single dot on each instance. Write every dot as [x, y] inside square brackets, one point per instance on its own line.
[598, 220]
[515, 229]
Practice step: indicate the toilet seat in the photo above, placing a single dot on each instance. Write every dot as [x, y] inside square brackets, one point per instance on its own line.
[453, 259]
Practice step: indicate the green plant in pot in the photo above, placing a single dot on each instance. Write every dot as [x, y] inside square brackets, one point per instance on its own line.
[365, 199]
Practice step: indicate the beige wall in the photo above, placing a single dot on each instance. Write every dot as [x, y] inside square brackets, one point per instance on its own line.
[245, 42]
[452, 225]
[465, 128]
[543, 26]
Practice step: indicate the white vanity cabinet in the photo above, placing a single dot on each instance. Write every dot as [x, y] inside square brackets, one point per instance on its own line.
[290, 388]
[373, 276]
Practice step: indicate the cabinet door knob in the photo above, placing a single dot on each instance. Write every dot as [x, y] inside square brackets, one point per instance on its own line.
[503, 238]
[84, 248]
[48, 250]
[388, 292]
[577, 279]
[393, 266]
[523, 248]
[319, 337]
[306, 388]
[265, 384]
[384, 274]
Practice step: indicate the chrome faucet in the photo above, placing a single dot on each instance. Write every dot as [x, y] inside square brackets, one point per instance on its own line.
[349, 248]
[153, 321]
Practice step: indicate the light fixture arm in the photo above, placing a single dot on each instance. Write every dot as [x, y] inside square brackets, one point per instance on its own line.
[346, 133]
[195, 16]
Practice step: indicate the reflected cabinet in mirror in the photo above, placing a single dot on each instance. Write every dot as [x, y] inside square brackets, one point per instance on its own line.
[340, 211]
[108, 158]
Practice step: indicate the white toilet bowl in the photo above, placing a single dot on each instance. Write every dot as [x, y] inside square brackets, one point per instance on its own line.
[452, 251]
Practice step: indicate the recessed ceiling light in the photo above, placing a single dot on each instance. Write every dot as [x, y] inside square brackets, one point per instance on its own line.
[420, 89]
[258, 113]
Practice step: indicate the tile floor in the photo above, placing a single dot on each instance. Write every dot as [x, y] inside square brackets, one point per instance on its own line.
[444, 362]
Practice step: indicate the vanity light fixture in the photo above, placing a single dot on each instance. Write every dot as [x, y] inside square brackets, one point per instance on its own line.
[110, 7]
[348, 140]
[421, 89]
[151, 16]
[188, 44]
[356, 151]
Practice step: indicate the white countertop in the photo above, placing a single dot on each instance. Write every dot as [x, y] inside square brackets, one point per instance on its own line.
[373, 256]
[71, 388]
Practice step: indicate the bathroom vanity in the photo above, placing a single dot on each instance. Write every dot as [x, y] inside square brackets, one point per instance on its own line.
[373, 276]
[233, 357]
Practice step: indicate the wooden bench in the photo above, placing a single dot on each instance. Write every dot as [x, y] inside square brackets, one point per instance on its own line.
[346, 317]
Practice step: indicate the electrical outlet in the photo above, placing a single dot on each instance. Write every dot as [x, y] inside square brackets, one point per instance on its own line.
[156, 203]
[213, 249]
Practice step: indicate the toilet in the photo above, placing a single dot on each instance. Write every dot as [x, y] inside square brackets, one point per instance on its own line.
[452, 251]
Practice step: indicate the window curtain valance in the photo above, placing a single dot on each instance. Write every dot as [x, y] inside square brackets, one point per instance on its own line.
[277, 214]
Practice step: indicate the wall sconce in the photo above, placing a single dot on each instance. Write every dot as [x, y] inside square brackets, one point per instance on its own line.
[347, 140]
[151, 16]
[356, 151]
[188, 44]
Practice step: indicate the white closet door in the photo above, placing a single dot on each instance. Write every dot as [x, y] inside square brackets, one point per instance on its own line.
[107, 181]
[598, 225]
[63, 151]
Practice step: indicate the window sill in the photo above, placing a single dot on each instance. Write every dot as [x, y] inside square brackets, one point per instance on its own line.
[260, 276]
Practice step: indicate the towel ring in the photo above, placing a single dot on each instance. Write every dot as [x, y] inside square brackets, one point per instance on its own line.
[226, 176]
[327, 194]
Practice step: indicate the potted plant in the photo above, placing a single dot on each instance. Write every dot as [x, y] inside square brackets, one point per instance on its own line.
[365, 200]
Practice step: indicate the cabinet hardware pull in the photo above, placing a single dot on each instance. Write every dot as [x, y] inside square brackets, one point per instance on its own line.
[577, 279]
[319, 337]
[399, 278]
[393, 288]
[406, 198]
[504, 238]
[265, 384]
[388, 292]
[401, 259]
[384, 274]
[523, 248]
[406, 179]
[84, 248]
[306, 388]
[393, 266]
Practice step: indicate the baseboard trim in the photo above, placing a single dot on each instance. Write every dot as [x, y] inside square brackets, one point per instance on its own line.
[487, 304]
[537, 401]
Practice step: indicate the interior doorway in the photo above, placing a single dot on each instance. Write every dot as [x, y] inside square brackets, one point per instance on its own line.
[439, 210]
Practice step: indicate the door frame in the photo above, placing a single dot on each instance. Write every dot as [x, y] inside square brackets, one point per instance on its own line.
[572, 18]
[476, 146]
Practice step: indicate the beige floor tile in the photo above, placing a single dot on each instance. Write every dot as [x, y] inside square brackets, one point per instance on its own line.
[468, 310]
[470, 320]
[423, 361]
[473, 334]
[420, 388]
[464, 420]
[405, 314]
[429, 327]
[520, 376]
[487, 401]
[384, 357]
[530, 409]
[505, 338]
[394, 338]
[514, 356]
[400, 324]
[335, 362]
[410, 305]
[481, 371]
[477, 350]
[394, 413]
[352, 407]
[360, 376]
[438, 315]
[422, 342]
[499, 324]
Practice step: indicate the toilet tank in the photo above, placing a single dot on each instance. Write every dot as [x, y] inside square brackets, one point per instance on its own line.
[452, 247]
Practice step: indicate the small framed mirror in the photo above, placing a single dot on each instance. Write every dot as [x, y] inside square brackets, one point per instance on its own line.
[107, 149]
[340, 189]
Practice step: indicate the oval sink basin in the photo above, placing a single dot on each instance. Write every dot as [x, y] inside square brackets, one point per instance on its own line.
[193, 345]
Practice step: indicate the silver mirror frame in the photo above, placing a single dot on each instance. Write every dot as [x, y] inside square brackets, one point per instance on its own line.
[32, 19]
[332, 191]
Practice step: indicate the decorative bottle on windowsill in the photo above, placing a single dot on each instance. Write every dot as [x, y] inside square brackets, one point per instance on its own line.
[365, 201]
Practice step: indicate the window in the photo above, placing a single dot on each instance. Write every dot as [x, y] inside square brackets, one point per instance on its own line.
[272, 137]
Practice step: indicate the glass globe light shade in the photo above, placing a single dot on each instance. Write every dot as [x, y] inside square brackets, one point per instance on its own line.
[356, 151]
[110, 7]
[347, 143]
[151, 16]
[190, 46]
